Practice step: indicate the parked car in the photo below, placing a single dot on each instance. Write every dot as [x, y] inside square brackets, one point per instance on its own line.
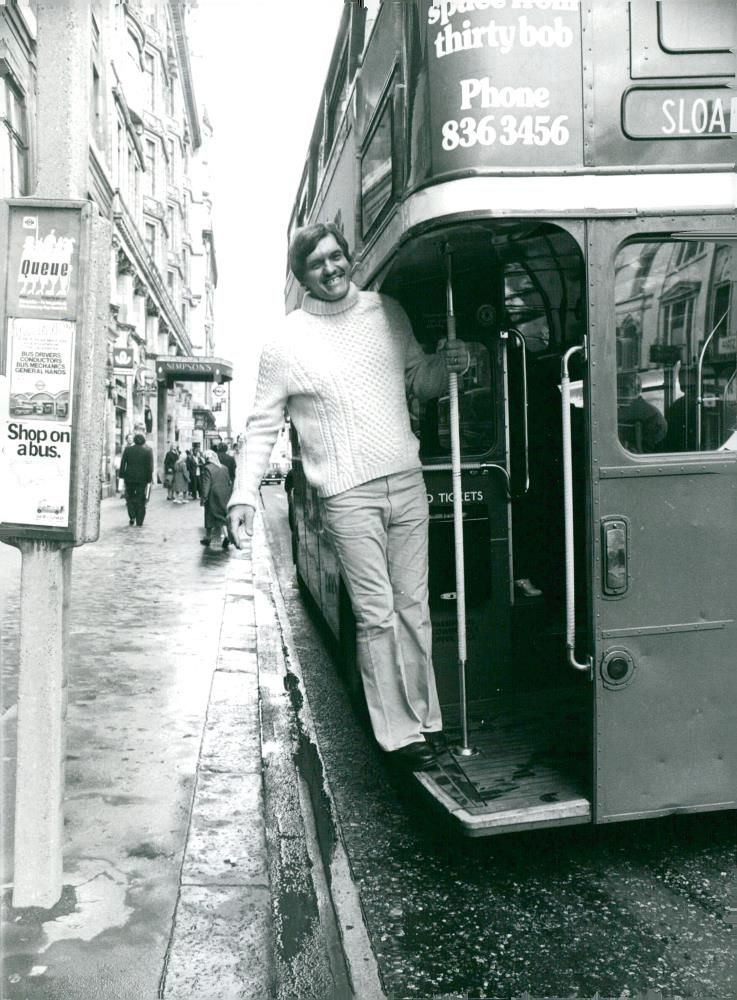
[273, 474]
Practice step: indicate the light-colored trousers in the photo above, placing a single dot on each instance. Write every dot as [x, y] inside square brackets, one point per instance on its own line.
[379, 532]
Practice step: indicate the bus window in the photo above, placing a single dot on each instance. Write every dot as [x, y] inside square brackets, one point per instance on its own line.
[676, 346]
[377, 167]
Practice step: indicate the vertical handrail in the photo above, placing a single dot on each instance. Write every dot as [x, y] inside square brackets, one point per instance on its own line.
[525, 426]
[565, 387]
[699, 375]
[465, 750]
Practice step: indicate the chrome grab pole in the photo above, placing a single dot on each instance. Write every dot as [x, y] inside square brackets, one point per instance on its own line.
[525, 428]
[464, 750]
[565, 387]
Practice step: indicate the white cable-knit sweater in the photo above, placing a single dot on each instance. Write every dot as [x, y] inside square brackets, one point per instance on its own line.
[343, 371]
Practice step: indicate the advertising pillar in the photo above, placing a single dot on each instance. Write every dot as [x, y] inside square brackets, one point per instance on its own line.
[52, 300]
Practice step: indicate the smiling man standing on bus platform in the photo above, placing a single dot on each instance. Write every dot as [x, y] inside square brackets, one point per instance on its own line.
[343, 366]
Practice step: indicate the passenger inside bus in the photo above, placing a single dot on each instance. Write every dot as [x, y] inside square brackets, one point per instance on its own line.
[642, 427]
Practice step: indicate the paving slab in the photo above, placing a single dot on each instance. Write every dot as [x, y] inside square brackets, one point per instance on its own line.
[218, 946]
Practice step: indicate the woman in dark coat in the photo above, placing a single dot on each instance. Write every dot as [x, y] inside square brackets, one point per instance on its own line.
[216, 489]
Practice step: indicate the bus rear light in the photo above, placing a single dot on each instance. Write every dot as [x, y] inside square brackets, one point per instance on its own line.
[617, 668]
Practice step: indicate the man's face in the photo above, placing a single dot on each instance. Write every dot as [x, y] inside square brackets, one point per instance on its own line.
[327, 271]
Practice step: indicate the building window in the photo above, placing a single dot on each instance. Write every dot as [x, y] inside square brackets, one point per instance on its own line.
[688, 251]
[170, 165]
[170, 98]
[96, 107]
[150, 161]
[13, 144]
[678, 322]
[150, 79]
[149, 238]
[170, 280]
[122, 149]
[170, 225]
[132, 178]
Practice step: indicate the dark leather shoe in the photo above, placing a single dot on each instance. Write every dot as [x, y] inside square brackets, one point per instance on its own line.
[416, 756]
[436, 740]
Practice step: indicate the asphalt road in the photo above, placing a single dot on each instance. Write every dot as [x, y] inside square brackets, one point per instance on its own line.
[616, 910]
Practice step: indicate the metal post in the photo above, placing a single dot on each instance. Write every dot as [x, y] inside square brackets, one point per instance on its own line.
[39, 823]
[464, 750]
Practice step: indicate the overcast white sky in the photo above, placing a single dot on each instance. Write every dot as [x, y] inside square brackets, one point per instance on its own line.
[259, 68]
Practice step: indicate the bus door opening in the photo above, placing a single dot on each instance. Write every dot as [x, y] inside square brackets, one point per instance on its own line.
[517, 291]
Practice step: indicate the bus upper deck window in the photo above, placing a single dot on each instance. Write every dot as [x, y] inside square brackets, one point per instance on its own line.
[676, 330]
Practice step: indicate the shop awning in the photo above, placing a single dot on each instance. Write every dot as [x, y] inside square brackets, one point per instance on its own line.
[184, 368]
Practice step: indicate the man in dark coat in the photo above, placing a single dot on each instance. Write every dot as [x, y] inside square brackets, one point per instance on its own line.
[170, 462]
[226, 460]
[216, 488]
[194, 468]
[137, 469]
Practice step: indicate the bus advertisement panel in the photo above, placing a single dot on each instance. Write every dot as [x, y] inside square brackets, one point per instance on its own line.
[43, 263]
[529, 85]
[504, 83]
[36, 449]
[38, 356]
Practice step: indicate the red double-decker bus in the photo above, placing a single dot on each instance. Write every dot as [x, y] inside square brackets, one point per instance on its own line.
[576, 162]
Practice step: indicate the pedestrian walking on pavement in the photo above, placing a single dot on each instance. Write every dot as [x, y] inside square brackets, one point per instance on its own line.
[137, 471]
[215, 488]
[359, 452]
[180, 482]
[170, 461]
[194, 462]
[226, 460]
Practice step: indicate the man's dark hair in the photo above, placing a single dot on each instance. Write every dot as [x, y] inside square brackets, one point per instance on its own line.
[305, 240]
[139, 439]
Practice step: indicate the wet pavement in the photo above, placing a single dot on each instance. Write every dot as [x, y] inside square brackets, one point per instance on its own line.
[186, 873]
[614, 911]
[200, 863]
